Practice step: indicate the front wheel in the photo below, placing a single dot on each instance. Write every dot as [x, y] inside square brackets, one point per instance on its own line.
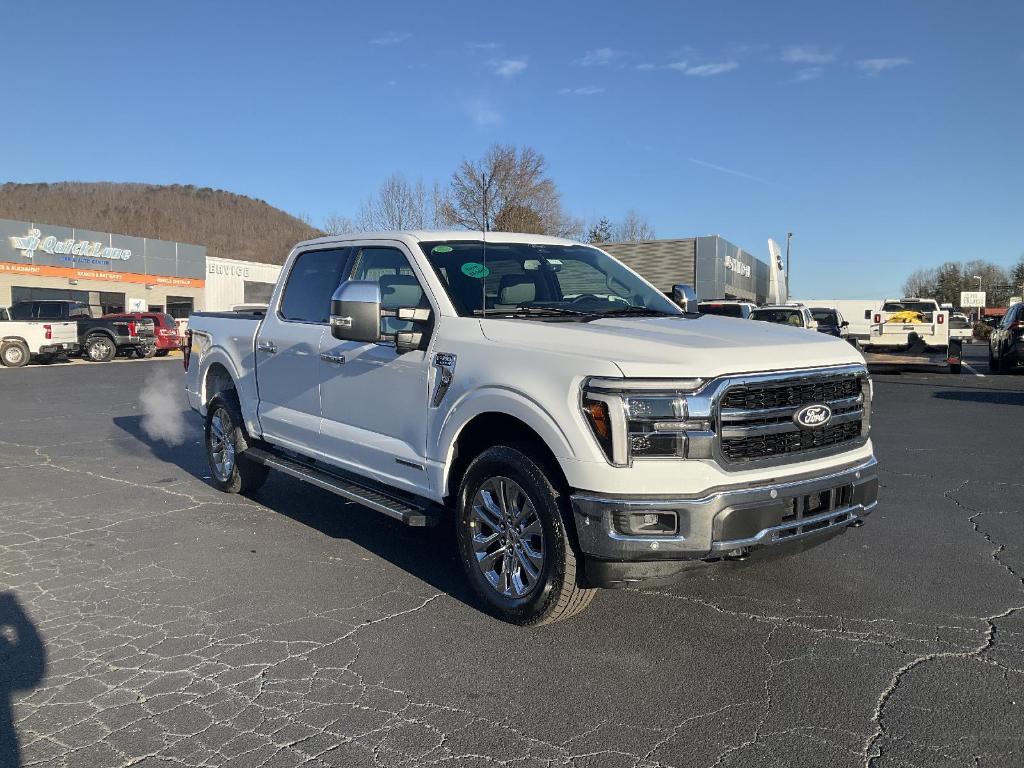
[226, 440]
[161, 352]
[513, 540]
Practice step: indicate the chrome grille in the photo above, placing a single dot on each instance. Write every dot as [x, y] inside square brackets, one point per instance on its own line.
[755, 419]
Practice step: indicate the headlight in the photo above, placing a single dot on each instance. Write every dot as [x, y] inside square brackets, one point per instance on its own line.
[641, 418]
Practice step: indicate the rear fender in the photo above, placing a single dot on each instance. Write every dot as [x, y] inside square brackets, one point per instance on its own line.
[244, 386]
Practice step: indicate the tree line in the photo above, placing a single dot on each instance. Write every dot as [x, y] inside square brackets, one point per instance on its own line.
[508, 189]
[945, 282]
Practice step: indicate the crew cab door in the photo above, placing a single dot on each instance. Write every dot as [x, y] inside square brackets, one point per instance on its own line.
[287, 349]
[374, 399]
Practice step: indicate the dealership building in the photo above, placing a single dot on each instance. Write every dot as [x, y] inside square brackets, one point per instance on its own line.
[716, 268]
[121, 273]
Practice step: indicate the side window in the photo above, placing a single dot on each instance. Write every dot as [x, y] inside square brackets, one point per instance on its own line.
[311, 283]
[77, 311]
[49, 312]
[399, 287]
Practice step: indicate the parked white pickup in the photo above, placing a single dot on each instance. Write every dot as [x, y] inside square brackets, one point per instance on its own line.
[926, 343]
[22, 341]
[579, 427]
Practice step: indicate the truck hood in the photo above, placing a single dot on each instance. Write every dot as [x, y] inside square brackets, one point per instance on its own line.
[704, 346]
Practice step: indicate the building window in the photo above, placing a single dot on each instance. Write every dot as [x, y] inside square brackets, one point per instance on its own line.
[111, 303]
[24, 293]
[156, 308]
[179, 307]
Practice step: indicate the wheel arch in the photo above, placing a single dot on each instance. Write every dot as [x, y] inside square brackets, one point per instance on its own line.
[490, 428]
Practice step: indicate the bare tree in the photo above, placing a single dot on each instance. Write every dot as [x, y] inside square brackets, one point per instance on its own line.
[397, 205]
[336, 224]
[508, 190]
[634, 228]
[920, 282]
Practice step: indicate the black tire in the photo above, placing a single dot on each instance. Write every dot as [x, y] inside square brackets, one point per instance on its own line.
[991, 360]
[161, 352]
[14, 354]
[955, 367]
[556, 591]
[243, 475]
[99, 349]
[146, 352]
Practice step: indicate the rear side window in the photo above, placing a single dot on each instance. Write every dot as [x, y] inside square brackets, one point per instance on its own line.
[311, 283]
[50, 312]
[21, 312]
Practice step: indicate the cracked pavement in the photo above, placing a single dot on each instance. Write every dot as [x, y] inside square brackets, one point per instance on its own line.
[148, 620]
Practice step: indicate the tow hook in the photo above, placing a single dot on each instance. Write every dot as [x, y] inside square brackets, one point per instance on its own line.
[857, 523]
[740, 553]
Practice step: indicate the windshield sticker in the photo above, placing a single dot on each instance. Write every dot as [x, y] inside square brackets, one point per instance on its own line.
[475, 269]
[441, 249]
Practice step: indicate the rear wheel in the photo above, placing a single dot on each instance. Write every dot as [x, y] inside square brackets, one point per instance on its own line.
[513, 540]
[145, 351]
[14, 354]
[100, 349]
[226, 440]
[161, 352]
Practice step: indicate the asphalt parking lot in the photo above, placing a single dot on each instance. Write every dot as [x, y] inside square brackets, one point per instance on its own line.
[150, 620]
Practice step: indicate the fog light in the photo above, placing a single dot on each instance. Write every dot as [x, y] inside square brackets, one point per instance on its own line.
[649, 523]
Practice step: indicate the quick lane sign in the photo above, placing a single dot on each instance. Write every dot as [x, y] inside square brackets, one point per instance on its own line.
[34, 240]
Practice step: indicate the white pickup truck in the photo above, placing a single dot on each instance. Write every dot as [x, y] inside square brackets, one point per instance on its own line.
[20, 341]
[579, 428]
[912, 332]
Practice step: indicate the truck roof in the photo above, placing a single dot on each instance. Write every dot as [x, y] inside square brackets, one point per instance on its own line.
[420, 235]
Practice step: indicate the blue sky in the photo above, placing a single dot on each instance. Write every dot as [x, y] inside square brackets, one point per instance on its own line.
[885, 135]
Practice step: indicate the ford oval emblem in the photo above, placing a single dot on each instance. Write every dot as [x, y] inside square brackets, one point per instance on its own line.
[813, 416]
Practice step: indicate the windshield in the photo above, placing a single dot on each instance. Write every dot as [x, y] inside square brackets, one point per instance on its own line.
[780, 316]
[527, 279]
[725, 310]
[825, 316]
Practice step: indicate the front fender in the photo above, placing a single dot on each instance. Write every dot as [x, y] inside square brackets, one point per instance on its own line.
[497, 399]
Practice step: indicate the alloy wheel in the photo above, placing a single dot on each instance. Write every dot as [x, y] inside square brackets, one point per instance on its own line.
[222, 444]
[508, 539]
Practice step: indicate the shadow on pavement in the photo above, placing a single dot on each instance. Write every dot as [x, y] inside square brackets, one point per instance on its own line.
[428, 554]
[991, 396]
[22, 665]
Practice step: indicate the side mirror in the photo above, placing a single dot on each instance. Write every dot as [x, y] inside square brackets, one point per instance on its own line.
[685, 297]
[844, 324]
[355, 311]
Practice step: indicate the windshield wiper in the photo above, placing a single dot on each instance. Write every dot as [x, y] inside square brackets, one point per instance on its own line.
[633, 311]
[532, 312]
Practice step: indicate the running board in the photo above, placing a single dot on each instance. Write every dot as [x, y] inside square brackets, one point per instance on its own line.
[404, 511]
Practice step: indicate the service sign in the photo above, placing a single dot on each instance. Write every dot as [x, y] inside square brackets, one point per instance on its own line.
[972, 298]
[737, 266]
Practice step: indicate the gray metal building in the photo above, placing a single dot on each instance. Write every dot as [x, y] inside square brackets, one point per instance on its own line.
[112, 273]
[715, 267]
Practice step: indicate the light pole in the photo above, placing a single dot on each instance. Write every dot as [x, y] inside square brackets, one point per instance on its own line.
[789, 236]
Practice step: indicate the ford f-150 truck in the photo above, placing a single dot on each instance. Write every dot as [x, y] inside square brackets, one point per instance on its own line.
[21, 342]
[579, 428]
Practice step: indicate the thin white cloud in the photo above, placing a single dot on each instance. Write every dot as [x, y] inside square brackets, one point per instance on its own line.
[599, 57]
[391, 38]
[875, 67]
[708, 70]
[808, 54]
[489, 46]
[508, 68]
[730, 171]
[808, 73]
[698, 70]
[481, 113]
[586, 90]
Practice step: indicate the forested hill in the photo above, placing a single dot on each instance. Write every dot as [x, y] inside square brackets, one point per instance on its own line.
[229, 225]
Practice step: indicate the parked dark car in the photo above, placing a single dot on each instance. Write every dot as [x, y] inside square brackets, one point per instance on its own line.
[829, 320]
[1006, 344]
[100, 339]
[164, 327]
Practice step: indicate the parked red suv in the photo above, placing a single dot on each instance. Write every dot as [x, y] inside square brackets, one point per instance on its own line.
[166, 330]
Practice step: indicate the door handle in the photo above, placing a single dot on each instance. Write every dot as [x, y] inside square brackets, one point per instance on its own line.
[267, 346]
[336, 359]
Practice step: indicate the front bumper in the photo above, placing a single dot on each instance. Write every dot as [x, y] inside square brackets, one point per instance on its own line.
[729, 522]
